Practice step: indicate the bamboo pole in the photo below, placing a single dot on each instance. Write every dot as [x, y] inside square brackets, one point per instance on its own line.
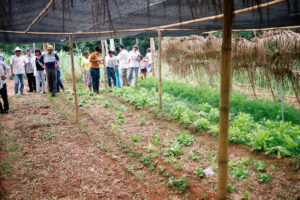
[152, 29]
[159, 71]
[226, 68]
[104, 63]
[121, 41]
[74, 80]
[39, 16]
[153, 55]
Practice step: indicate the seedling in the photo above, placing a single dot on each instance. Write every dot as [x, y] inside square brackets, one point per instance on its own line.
[245, 196]
[193, 157]
[178, 166]
[259, 165]
[239, 171]
[264, 178]
[155, 140]
[142, 122]
[199, 172]
[179, 184]
[229, 188]
[145, 160]
[135, 138]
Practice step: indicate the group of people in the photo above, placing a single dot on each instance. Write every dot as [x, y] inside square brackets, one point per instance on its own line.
[38, 68]
[125, 63]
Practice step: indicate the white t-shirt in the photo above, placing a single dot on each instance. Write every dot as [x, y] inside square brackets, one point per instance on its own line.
[4, 70]
[143, 64]
[18, 64]
[123, 59]
[149, 57]
[111, 61]
[133, 59]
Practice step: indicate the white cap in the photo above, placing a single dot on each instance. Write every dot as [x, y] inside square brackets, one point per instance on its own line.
[18, 49]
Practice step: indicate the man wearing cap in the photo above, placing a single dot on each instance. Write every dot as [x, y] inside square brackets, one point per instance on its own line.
[50, 62]
[133, 64]
[17, 67]
[123, 63]
[30, 70]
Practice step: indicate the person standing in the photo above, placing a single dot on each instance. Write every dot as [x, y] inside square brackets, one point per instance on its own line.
[86, 65]
[17, 67]
[40, 78]
[50, 62]
[30, 70]
[149, 59]
[143, 66]
[133, 64]
[111, 65]
[4, 71]
[95, 69]
[123, 64]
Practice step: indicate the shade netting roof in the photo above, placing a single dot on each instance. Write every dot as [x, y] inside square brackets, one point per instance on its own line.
[73, 16]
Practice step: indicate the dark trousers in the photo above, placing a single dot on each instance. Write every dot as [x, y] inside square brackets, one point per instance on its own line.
[95, 74]
[59, 83]
[3, 93]
[31, 82]
[111, 75]
[52, 82]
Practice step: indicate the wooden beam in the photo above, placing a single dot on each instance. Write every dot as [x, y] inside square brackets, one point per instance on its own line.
[39, 16]
[154, 29]
[104, 62]
[226, 68]
[159, 71]
[74, 80]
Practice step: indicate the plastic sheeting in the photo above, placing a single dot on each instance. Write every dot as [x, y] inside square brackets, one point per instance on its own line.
[104, 15]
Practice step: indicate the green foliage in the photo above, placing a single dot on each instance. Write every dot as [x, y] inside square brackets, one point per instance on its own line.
[238, 170]
[185, 139]
[174, 150]
[145, 160]
[155, 140]
[259, 165]
[202, 124]
[264, 178]
[193, 157]
[245, 196]
[199, 172]
[142, 122]
[178, 184]
[135, 138]
[229, 188]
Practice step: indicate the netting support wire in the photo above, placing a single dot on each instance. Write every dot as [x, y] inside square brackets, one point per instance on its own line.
[40, 15]
[159, 71]
[155, 29]
[225, 85]
[74, 80]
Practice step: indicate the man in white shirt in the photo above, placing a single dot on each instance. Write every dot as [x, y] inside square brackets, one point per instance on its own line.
[133, 64]
[149, 59]
[123, 63]
[30, 70]
[4, 72]
[111, 65]
[17, 66]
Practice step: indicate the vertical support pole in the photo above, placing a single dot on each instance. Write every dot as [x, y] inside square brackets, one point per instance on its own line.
[121, 41]
[73, 79]
[136, 41]
[281, 101]
[112, 45]
[159, 71]
[33, 46]
[153, 56]
[44, 47]
[226, 68]
[104, 62]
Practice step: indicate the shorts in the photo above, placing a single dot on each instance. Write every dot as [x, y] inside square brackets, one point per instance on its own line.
[144, 70]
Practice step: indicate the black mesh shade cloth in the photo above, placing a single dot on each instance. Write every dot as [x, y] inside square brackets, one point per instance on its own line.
[73, 16]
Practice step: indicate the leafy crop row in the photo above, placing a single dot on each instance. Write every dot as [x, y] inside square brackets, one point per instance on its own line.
[272, 137]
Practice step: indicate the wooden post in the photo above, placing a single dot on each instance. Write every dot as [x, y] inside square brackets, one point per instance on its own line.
[33, 46]
[136, 41]
[44, 47]
[153, 56]
[112, 45]
[226, 68]
[73, 79]
[121, 41]
[104, 63]
[159, 71]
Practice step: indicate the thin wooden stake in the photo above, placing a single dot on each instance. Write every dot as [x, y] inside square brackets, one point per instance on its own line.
[153, 55]
[73, 79]
[270, 85]
[226, 68]
[159, 71]
[104, 63]
[252, 83]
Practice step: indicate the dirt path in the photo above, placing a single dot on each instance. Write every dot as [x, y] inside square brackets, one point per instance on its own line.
[45, 156]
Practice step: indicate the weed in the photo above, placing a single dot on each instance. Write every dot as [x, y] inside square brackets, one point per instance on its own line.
[245, 196]
[202, 124]
[193, 157]
[155, 140]
[174, 150]
[185, 139]
[142, 122]
[178, 166]
[239, 171]
[229, 188]
[145, 160]
[179, 184]
[259, 165]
